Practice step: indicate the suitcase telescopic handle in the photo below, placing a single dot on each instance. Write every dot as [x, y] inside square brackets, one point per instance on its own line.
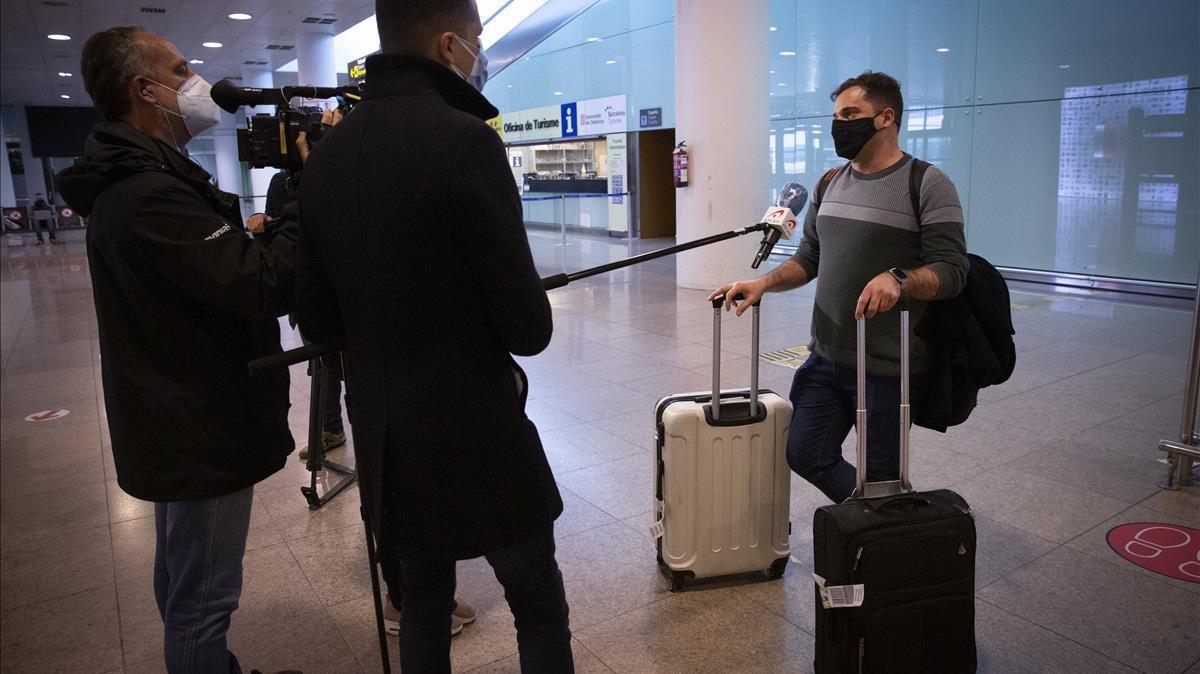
[863, 488]
[717, 303]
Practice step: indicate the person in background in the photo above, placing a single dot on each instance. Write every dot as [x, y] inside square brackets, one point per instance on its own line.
[43, 218]
[279, 193]
[185, 298]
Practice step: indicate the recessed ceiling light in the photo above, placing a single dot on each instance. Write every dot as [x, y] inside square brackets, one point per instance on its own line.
[510, 86]
[787, 53]
[1064, 66]
[773, 29]
[558, 93]
[195, 61]
[212, 45]
[63, 96]
[783, 84]
[64, 74]
[58, 36]
[592, 39]
[240, 16]
[942, 50]
[772, 72]
[611, 61]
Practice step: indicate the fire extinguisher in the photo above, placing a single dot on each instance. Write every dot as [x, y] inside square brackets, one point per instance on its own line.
[680, 160]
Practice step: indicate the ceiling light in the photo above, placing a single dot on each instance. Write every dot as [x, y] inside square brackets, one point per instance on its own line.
[57, 36]
[63, 96]
[787, 53]
[610, 61]
[239, 16]
[783, 84]
[942, 50]
[64, 74]
[196, 61]
[510, 86]
[212, 45]
[772, 72]
[773, 29]
[558, 93]
[592, 39]
[1063, 66]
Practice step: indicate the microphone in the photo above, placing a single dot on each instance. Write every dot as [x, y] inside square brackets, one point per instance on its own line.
[229, 96]
[781, 219]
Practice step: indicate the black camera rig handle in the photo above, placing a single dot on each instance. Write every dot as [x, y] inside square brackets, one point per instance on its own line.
[292, 357]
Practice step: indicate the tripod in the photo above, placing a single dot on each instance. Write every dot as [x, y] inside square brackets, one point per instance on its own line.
[316, 445]
[316, 354]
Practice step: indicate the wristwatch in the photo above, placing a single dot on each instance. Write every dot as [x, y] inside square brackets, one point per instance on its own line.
[901, 278]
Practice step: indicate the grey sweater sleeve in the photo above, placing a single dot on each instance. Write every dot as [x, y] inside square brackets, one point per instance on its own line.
[943, 239]
[808, 253]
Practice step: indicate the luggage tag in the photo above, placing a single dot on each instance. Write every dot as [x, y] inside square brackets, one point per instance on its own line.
[656, 529]
[840, 596]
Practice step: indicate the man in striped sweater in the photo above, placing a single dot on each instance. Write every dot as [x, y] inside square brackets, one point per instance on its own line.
[862, 234]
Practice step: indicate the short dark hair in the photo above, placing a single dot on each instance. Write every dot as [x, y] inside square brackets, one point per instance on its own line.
[406, 26]
[110, 58]
[881, 89]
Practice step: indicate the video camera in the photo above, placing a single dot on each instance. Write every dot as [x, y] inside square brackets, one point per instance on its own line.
[270, 140]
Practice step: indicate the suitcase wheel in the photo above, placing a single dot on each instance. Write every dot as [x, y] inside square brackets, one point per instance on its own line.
[676, 581]
[777, 568]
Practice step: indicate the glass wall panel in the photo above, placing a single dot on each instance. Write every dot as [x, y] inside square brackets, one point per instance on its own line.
[1099, 185]
[1071, 129]
[616, 47]
[1031, 50]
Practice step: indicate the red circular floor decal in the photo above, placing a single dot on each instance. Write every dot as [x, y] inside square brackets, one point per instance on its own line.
[1167, 549]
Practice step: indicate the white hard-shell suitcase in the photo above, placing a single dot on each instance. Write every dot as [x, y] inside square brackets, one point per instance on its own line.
[722, 483]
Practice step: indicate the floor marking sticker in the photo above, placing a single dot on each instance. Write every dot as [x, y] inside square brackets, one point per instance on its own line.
[47, 415]
[792, 357]
[1166, 549]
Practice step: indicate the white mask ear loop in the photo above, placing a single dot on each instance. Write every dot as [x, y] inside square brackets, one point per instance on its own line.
[163, 111]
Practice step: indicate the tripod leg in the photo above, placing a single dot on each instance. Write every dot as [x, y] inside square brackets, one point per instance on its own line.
[316, 431]
[373, 561]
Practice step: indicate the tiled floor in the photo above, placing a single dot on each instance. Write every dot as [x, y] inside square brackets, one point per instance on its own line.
[1050, 461]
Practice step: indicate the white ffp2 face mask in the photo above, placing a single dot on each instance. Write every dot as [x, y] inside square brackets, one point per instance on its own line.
[196, 105]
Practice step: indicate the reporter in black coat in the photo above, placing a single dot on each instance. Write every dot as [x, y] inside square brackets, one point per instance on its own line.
[412, 230]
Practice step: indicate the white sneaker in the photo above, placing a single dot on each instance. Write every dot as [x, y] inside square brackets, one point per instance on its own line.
[391, 620]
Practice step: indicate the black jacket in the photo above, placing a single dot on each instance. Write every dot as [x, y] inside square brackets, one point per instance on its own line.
[970, 340]
[184, 299]
[413, 247]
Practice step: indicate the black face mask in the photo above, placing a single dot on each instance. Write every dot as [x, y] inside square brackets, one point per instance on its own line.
[851, 135]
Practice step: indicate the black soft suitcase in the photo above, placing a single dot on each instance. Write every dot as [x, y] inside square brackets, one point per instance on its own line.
[894, 568]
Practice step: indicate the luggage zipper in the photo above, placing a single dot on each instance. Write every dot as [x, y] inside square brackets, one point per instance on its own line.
[862, 649]
[965, 511]
[857, 557]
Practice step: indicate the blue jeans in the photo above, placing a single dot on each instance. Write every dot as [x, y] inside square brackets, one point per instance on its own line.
[824, 405]
[198, 578]
[48, 225]
[333, 406]
[533, 587]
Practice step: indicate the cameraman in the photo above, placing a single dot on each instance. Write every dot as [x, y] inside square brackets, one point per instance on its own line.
[184, 299]
[281, 193]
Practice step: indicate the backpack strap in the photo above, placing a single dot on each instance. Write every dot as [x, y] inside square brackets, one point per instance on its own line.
[823, 184]
[916, 176]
